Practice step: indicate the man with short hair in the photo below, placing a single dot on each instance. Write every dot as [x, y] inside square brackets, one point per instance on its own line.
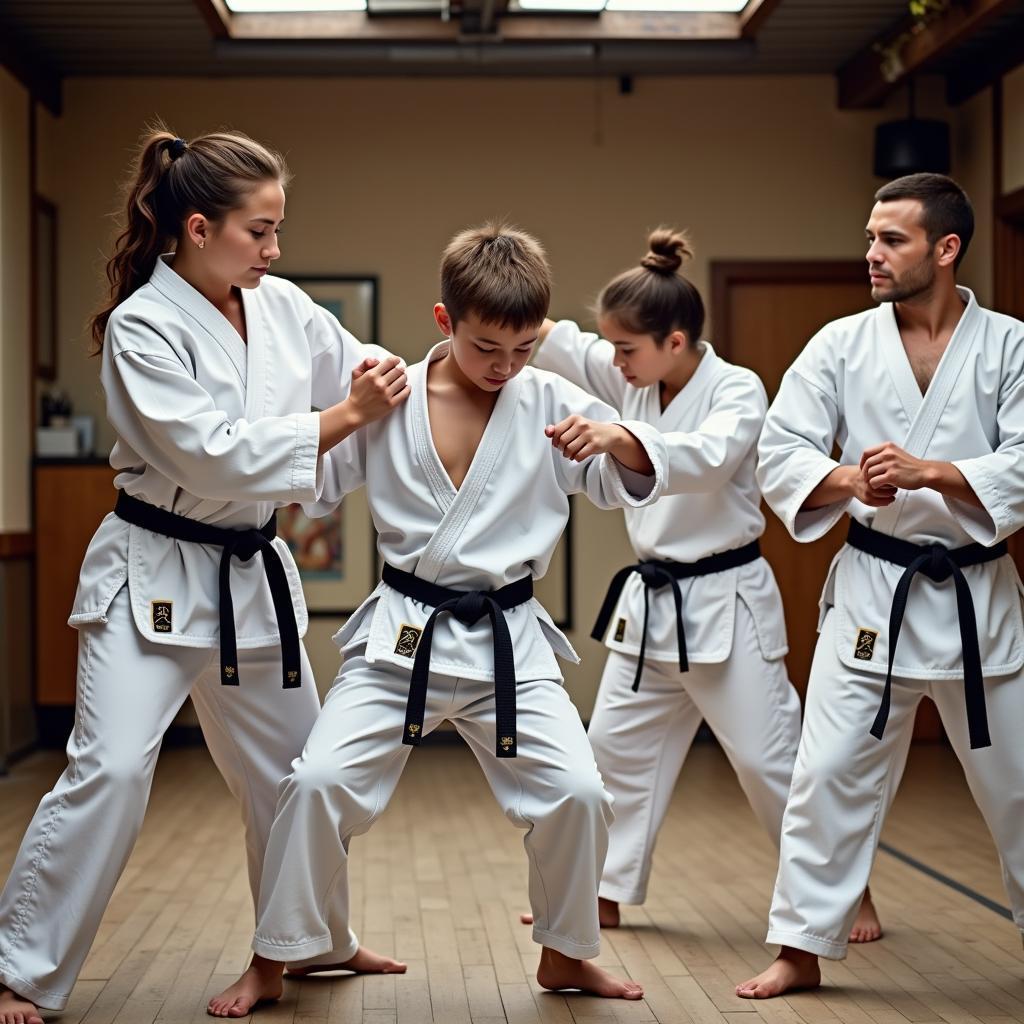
[925, 396]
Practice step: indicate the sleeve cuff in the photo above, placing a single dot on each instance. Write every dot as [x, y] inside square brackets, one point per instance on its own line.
[813, 524]
[307, 466]
[641, 489]
[987, 525]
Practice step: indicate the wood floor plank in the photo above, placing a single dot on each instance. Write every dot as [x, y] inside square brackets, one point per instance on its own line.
[441, 879]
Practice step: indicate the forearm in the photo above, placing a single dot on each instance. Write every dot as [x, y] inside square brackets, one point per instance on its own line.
[628, 451]
[945, 478]
[336, 423]
[837, 486]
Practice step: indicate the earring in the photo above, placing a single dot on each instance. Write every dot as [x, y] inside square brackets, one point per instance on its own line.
[202, 243]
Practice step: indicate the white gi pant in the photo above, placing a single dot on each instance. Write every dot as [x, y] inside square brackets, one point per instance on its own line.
[129, 690]
[351, 765]
[845, 779]
[641, 740]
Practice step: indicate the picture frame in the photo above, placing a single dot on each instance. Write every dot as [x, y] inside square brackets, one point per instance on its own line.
[43, 289]
[352, 298]
[336, 555]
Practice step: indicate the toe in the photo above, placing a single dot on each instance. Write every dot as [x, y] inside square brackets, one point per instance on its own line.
[526, 918]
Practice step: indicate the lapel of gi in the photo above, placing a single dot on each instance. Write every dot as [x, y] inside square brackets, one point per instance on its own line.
[924, 411]
[457, 506]
[177, 290]
[703, 376]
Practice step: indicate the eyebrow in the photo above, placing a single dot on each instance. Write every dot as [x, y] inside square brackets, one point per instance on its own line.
[487, 341]
[264, 220]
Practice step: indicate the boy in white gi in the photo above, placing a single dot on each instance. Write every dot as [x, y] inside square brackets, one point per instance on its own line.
[469, 493]
[695, 628]
[925, 396]
[210, 371]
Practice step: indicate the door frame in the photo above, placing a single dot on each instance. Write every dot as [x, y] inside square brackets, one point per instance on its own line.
[725, 274]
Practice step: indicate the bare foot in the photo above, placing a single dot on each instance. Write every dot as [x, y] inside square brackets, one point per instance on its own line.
[364, 962]
[557, 972]
[15, 1010]
[793, 970]
[607, 914]
[261, 983]
[867, 927]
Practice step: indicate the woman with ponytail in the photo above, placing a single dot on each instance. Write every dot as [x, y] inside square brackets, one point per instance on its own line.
[695, 628]
[211, 369]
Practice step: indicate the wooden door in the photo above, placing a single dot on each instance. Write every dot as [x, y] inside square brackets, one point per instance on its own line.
[764, 313]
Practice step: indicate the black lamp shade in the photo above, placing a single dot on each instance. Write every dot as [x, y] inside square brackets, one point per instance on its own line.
[912, 146]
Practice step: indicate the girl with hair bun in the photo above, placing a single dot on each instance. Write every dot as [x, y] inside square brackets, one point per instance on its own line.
[695, 628]
[211, 369]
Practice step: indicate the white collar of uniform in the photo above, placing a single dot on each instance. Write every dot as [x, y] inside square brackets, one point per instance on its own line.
[495, 433]
[174, 287]
[707, 370]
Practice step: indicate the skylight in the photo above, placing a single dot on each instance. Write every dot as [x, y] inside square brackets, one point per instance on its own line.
[639, 6]
[292, 6]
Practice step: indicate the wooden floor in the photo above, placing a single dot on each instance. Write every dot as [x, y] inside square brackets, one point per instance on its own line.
[440, 881]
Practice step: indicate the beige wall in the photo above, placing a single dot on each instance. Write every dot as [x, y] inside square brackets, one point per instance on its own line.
[15, 444]
[1013, 130]
[385, 170]
[972, 167]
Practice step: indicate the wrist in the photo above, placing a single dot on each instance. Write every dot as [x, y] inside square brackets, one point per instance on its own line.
[351, 415]
[935, 474]
[846, 477]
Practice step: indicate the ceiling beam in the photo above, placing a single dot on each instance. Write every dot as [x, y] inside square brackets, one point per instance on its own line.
[866, 79]
[1000, 59]
[42, 82]
[217, 17]
[754, 15]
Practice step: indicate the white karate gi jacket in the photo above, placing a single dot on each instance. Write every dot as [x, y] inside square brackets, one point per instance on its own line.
[502, 524]
[712, 501]
[214, 429]
[853, 386]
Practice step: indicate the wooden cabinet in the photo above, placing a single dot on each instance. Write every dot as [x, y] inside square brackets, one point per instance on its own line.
[71, 498]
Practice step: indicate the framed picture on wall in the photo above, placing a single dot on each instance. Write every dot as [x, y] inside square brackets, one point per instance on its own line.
[44, 288]
[336, 555]
[352, 300]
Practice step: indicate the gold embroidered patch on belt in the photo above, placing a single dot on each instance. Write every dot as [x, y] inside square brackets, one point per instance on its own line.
[408, 640]
[620, 631]
[162, 612]
[864, 649]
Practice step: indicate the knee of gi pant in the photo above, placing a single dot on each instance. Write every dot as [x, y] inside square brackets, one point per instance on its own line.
[323, 783]
[582, 794]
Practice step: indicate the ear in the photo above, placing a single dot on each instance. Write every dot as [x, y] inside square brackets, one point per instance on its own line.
[947, 249]
[197, 229]
[677, 342]
[443, 320]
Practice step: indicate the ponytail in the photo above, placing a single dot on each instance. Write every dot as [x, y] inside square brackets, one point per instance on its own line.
[172, 179]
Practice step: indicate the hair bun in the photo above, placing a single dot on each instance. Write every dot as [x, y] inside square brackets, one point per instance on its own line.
[668, 251]
[176, 147]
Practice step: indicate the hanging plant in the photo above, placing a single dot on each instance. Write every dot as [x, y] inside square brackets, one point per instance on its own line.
[924, 12]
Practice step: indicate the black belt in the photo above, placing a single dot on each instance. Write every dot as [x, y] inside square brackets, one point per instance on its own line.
[468, 606]
[243, 544]
[938, 563]
[657, 574]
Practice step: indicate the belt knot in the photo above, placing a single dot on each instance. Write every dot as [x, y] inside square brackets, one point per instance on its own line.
[939, 566]
[471, 607]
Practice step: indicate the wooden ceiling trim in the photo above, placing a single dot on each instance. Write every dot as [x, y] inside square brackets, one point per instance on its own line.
[217, 17]
[863, 82]
[754, 15]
